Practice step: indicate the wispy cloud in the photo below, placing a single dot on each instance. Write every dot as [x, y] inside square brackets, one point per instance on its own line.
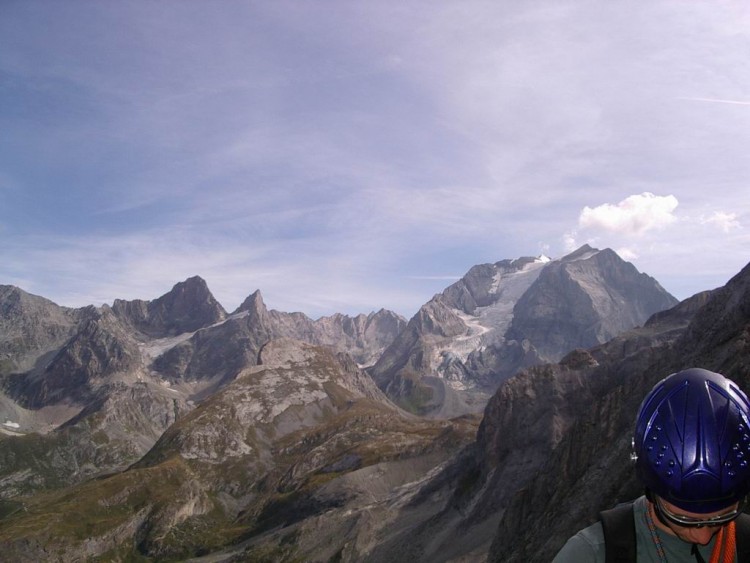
[438, 278]
[717, 101]
[724, 221]
[344, 159]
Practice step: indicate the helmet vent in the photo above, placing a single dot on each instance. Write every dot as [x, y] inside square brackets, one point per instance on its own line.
[692, 440]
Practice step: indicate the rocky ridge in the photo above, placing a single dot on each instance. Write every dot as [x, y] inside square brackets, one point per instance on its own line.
[81, 376]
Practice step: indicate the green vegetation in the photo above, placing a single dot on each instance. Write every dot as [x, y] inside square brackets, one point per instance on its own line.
[178, 505]
[9, 507]
[271, 554]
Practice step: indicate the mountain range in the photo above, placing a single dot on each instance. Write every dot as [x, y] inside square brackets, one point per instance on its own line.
[172, 429]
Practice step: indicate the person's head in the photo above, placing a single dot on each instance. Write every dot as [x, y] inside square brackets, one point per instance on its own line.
[692, 527]
[692, 447]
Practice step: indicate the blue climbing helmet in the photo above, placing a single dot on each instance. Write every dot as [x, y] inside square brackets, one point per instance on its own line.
[692, 441]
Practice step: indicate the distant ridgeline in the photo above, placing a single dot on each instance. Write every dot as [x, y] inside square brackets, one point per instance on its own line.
[173, 429]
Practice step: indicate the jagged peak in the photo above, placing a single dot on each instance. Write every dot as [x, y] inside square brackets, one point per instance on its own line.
[253, 302]
[581, 253]
[194, 284]
[188, 297]
[385, 313]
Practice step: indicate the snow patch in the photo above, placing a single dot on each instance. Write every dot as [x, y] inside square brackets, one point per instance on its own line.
[505, 281]
[155, 348]
[587, 255]
[489, 324]
[11, 424]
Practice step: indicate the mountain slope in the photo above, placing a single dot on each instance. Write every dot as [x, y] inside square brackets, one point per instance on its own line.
[302, 435]
[587, 467]
[509, 315]
[31, 328]
[552, 450]
[102, 384]
[271, 448]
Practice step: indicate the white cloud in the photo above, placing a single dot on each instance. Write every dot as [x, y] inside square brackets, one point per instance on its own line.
[724, 221]
[636, 214]
[570, 241]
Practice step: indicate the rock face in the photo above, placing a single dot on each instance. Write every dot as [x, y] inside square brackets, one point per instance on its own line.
[31, 328]
[100, 348]
[584, 299]
[510, 315]
[187, 308]
[79, 376]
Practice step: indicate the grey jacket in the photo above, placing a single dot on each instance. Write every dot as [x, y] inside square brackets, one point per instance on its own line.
[587, 546]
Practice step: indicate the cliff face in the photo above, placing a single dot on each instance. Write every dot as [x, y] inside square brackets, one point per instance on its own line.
[579, 303]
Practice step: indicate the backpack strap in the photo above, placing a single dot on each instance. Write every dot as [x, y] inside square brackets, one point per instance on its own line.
[743, 538]
[619, 534]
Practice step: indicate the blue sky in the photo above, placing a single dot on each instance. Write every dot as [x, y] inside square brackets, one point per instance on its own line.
[347, 156]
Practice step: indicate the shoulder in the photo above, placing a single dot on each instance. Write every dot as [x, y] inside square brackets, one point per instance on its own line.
[587, 546]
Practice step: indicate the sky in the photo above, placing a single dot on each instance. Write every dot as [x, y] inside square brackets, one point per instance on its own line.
[350, 156]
